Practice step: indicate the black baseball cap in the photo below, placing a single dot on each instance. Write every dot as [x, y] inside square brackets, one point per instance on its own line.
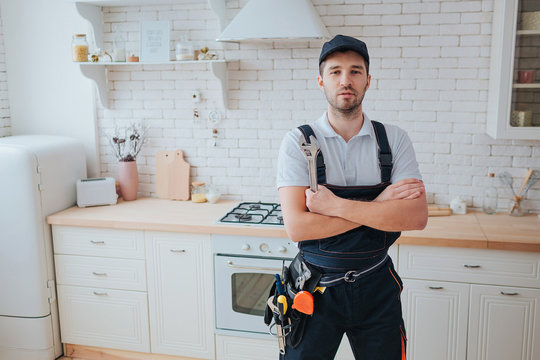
[344, 43]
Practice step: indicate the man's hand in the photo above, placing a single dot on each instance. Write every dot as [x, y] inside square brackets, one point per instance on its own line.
[323, 201]
[403, 189]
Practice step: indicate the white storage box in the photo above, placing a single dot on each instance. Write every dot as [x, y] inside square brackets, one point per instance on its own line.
[96, 191]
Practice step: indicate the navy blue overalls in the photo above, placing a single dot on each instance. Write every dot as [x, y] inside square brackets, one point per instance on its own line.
[362, 298]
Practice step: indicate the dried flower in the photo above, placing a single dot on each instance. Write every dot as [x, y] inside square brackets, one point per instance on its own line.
[127, 145]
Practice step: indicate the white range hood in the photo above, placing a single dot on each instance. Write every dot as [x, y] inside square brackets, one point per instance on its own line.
[275, 20]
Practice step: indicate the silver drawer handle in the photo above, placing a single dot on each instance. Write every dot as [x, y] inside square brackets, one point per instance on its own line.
[509, 293]
[472, 266]
[435, 287]
[230, 263]
[100, 293]
[97, 242]
[178, 250]
[99, 274]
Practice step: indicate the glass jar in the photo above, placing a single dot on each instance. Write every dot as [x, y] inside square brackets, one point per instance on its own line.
[119, 49]
[184, 50]
[489, 201]
[79, 48]
[198, 192]
[212, 194]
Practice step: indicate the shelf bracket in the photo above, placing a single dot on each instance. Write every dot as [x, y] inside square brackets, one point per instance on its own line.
[98, 74]
[218, 7]
[92, 14]
[219, 69]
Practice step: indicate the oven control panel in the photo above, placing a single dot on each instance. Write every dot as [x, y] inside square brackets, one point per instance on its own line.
[254, 246]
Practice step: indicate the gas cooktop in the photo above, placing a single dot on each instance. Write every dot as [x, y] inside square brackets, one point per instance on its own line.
[254, 213]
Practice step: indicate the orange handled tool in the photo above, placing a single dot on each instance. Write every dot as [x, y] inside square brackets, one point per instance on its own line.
[303, 302]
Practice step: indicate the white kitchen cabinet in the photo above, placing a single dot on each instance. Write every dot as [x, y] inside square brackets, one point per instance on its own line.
[435, 315]
[504, 323]
[101, 289]
[104, 317]
[179, 269]
[513, 49]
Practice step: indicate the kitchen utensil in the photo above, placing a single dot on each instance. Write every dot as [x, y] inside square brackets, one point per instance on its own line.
[163, 159]
[530, 179]
[179, 177]
[507, 179]
[535, 176]
[310, 151]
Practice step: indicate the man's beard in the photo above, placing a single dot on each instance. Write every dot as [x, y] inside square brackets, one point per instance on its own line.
[347, 107]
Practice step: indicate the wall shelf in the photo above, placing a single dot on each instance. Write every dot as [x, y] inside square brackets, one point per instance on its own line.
[528, 32]
[97, 72]
[527, 86]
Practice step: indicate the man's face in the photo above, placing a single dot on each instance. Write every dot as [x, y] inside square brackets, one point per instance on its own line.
[344, 81]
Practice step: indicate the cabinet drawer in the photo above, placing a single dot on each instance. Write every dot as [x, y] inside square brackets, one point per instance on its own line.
[111, 273]
[70, 240]
[105, 318]
[497, 267]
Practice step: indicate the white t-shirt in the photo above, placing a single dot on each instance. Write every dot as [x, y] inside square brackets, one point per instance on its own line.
[347, 163]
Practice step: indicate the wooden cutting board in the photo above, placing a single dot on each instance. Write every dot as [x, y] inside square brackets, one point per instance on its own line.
[163, 159]
[439, 211]
[179, 177]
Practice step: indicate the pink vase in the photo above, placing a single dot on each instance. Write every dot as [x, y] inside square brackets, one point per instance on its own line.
[128, 178]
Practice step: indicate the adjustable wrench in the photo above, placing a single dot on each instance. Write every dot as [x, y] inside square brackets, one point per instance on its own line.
[310, 152]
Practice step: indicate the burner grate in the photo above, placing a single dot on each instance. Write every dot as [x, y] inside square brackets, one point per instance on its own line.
[254, 213]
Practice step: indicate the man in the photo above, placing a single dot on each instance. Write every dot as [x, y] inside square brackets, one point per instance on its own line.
[372, 190]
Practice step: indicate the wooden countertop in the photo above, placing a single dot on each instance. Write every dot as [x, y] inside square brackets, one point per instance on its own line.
[473, 230]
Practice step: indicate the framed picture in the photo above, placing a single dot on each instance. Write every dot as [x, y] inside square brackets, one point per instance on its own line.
[155, 40]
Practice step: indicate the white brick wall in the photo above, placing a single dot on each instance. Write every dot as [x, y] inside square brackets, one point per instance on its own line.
[429, 62]
[5, 117]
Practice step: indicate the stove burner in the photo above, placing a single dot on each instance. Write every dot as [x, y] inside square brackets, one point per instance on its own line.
[243, 217]
[255, 213]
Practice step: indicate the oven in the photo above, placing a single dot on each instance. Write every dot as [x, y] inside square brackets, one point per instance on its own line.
[244, 272]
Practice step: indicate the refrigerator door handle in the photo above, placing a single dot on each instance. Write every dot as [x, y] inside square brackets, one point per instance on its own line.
[51, 286]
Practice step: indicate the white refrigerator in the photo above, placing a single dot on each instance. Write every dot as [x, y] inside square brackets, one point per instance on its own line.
[38, 175]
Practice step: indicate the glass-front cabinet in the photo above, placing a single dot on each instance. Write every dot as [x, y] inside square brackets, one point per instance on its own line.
[514, 91]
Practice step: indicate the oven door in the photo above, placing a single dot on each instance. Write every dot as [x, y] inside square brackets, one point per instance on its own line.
[242, 287]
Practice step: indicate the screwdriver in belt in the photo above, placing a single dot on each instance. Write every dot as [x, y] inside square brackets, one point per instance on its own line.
[281, 300]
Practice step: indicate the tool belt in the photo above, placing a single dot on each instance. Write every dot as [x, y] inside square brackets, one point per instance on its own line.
[290, 302]
[350, 276]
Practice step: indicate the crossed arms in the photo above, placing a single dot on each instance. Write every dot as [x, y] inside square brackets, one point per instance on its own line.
[307, 215]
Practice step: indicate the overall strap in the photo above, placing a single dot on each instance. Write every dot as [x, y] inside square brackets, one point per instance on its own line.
[307, 131]
[385, 154]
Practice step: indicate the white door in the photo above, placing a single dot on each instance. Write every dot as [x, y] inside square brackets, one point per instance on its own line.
[435, 315]
[504, 323]
[180, 294]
